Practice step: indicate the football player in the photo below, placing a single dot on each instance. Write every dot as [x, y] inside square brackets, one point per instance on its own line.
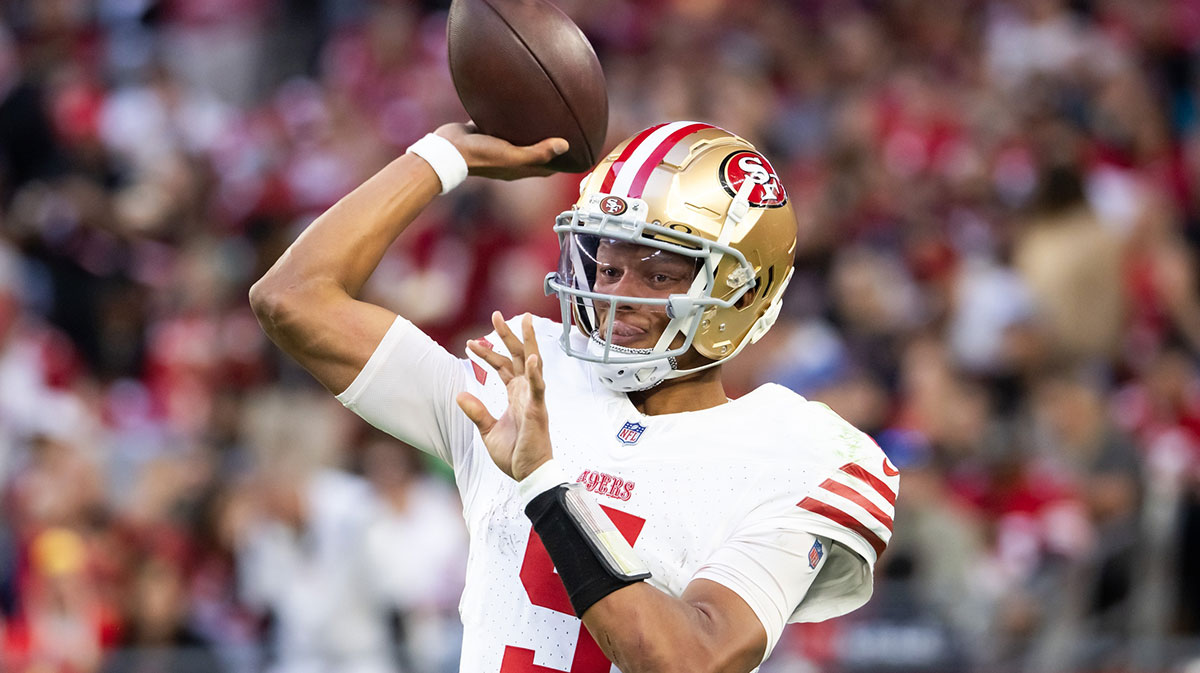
[622, 510]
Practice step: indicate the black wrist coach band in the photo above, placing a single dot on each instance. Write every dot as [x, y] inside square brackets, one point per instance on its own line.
[592, 558]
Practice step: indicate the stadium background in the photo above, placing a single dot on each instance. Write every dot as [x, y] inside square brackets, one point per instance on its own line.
[997, 279]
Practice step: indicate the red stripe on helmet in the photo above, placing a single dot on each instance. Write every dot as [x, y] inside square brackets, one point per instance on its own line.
[615, 168]
[643, 175]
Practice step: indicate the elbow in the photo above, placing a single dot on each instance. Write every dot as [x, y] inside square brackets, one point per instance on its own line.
[265, 300]
[276, 306]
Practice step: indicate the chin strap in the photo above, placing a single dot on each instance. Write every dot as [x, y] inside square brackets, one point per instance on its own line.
[629, 378]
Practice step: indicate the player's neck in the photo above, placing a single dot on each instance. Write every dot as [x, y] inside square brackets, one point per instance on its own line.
[690, 393]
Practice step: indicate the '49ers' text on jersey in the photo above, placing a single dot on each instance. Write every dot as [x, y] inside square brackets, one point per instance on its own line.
[757, 494]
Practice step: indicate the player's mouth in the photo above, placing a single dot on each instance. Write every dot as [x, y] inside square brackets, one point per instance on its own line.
[628, 335]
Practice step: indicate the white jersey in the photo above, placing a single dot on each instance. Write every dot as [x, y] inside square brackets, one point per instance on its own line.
[757, 494]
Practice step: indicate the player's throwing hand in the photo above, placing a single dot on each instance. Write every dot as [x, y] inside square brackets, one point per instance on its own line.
[519, 441]
[492, 157]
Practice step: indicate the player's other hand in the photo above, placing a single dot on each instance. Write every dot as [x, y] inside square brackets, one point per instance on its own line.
[491, 157]
[518, 441]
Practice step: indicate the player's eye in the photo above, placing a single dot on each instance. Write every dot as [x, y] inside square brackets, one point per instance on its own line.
[664, 278]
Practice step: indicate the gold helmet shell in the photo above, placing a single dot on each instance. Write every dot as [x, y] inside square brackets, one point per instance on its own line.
[697, 190]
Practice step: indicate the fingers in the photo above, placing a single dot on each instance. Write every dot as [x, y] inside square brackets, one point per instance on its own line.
[493, 157]
[523, 353]
[533, 372]
[511, 342]
[545, 150]
[502, 365]
[474, 409]
[527, 333]
[507, 154]
[533, 360]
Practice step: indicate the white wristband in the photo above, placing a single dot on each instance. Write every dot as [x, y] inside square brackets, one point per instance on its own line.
[548, 475]
[444, 157]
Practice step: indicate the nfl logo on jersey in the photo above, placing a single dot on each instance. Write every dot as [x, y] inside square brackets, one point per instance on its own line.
[814, 554]
[631, 432]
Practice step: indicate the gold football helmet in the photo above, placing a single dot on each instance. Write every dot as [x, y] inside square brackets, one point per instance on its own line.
[694, 190]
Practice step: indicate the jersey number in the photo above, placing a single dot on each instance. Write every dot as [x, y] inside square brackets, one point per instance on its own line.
[546, 590]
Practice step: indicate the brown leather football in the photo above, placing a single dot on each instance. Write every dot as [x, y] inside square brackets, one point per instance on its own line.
[524, 71]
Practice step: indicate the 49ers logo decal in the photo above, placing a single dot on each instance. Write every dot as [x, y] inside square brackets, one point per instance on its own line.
[613, 205]
[746, 165]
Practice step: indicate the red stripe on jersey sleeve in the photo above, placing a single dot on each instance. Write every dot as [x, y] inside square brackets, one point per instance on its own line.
[845, 520]
[656, 157]
[611, 176]
[858, 499]
[877, 483]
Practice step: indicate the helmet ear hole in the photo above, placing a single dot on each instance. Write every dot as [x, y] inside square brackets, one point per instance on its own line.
[747, 299]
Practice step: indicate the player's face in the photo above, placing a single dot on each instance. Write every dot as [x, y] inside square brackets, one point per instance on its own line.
[631, 270]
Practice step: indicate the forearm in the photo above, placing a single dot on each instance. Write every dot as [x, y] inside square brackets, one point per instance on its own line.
[642, 630]
[710, 628]
[307, 302]
[333, 258]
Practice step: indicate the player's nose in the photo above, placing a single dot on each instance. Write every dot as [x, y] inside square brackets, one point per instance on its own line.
[631, 284]
[627, 287]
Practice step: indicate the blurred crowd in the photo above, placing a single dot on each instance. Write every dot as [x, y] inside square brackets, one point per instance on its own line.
[999, 208]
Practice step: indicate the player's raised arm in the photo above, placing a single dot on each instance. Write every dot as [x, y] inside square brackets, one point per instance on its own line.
[307, 302]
